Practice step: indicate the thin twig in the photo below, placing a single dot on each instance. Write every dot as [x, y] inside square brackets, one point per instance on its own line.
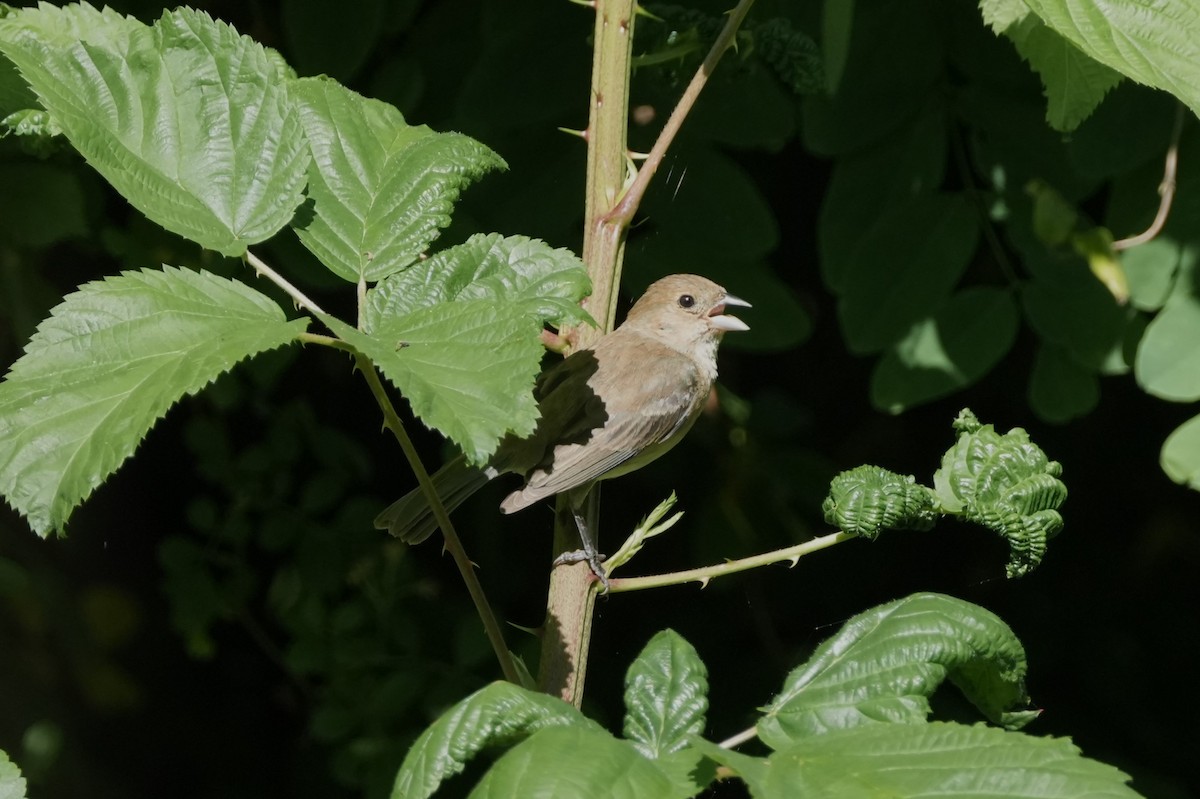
[702, 575]
[739, 739]
[391, 420]
[624, 210]
[1166, 189]
[297, 296]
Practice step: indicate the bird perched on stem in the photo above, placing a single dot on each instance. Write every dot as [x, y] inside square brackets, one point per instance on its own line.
[604, 411]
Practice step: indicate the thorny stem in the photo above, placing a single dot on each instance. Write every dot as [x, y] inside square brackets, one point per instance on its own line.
[622, 213]
[706, 573]
[453, 544]
[1166, 189]
[260, 266]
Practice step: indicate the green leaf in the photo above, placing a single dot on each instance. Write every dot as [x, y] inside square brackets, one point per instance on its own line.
[1075, 83]
[498, 714]
[1180, 456]
[866, 185]
[1106, 145]
[1068, 307]
[874, 98]
[107, 364]
[1160, 49]
[1007, 484]
[187, 119]
[867, 499]
[885, 663]
[574, 762]
[666, 696]
[953, 349]
[904, 269]
[1150, 269]
[460, 334]
[1059, 388]
[1168, 357]
[12, 784]
[937, 760]
[382, 189]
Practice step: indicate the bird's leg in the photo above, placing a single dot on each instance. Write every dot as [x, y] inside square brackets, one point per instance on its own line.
[588, 553]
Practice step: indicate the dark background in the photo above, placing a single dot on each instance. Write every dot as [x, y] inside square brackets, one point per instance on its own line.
[221, 619]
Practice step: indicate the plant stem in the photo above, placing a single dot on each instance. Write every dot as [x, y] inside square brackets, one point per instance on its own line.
[260, 266]
[702, 575]
[453, 544]
[1166, 189]
[610, 206]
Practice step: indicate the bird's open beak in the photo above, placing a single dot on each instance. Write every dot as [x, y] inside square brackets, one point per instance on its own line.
[720, 321]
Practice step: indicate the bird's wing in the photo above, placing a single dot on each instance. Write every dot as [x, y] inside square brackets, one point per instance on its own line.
[642, 411]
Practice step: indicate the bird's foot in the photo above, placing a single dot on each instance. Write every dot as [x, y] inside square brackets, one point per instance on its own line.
[593, 559]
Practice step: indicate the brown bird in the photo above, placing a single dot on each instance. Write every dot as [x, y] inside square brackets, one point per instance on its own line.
[605, 410]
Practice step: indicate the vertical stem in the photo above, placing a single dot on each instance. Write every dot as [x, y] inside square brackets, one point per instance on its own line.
[571, 597]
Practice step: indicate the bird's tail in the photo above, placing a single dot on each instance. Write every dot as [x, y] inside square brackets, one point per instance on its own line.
[410, 518]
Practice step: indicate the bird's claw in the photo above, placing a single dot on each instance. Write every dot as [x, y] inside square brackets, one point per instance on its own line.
[593, 559]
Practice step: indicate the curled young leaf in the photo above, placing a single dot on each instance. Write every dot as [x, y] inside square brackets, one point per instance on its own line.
[868, 499]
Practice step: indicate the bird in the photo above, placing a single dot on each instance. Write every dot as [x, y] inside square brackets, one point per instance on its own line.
[604, 411]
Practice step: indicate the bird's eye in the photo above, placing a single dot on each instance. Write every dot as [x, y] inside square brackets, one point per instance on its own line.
[687, 301]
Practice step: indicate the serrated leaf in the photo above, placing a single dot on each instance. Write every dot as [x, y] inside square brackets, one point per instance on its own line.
[885, 663]
[460, 334]
[523, 273]
[895, 280]
[666, 695]
[1074, 82]
[382, 189]
[107, 364]
[187, 119]
[575, 762]
[500, 713]
[1160, 49]
[1168, 357]
[937, 760]
[948, 351]
[12, 784]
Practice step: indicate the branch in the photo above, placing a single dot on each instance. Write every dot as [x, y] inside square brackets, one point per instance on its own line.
[622, 213]
[704, 574]
[1166, 189]
[261, 268]
[391, 420]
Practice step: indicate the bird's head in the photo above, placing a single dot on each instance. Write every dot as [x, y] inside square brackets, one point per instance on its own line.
[686, 312]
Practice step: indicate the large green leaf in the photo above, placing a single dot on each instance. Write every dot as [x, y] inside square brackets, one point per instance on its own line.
[501, 713]
[666, 695]
[934, 760]
[382, 189]
[107, 363]
[577, 763]
[1168, 358]
[904, 268]
[1158, 45]
[947, 351]
[459, 333]
[884, 664]
[867, 184]
[1075, 83]
[187, 119]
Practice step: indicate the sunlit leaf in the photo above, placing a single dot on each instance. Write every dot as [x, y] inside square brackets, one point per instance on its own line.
[106, 365]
